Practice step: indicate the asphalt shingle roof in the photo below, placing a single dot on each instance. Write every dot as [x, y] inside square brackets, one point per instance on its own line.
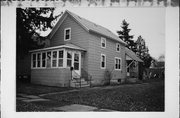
[90, 26]
[132, 55]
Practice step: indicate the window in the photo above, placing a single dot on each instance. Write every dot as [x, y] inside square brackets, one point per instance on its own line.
[67, 34]
[43, 59]
[103, 42]
[103, 61]
[39, 60]
[69, 59]
[60, 58]
[34, 60]
[54, 59]
[117, 47]
[48, 63]
[117, 63]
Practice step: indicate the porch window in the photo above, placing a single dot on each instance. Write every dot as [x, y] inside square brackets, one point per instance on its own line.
[69, 59]
[103, 61]
[48, 59]
[76, 61]
[43, 59]
[34, 60]
[67, 34]
[117, 47]
[54, 59]
[117, 63]
[60, 58]
[103, 42]
[39, 60]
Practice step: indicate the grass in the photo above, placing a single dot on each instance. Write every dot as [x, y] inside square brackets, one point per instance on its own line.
[140, 97]
[33, 89]
[147, 96]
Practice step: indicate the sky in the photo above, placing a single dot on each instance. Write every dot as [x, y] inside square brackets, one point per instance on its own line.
[147, 22]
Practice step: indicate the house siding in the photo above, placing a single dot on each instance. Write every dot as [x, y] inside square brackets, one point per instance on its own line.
[79, 37]
[51, 77]
[90, 61]
[94, 59]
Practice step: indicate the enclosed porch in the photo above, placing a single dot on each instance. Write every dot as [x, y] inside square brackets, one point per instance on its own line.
[57, 66]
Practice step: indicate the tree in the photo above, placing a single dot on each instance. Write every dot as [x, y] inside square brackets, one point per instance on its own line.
[142, 51]
[125, 36]
[30, 22]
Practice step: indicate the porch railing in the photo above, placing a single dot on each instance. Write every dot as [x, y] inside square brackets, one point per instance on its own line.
[78, 79]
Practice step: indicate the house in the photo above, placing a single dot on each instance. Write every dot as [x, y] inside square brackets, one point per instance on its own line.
[80, 51]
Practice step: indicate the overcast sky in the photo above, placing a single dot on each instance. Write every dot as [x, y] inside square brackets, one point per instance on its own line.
[147, 22]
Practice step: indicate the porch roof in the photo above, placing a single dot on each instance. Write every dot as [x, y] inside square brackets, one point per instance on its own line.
[132, 55]
[69, 46]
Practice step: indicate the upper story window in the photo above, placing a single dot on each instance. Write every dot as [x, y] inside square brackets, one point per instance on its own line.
[117, 63]
[67, 34]
[103, 42]
[117, 47]
[103, 61]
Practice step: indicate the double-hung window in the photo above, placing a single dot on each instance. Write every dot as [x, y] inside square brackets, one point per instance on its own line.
[67, 34]
[43, 59]
[48, 62]
[117, 47]
[54, 59]
[117, 63]
[69, 59]
[103, 42]
[39, 60]
[60, 58]
[34, 61]
[103, 61]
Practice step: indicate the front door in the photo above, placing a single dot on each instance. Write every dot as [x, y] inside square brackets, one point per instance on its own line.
[77, 62]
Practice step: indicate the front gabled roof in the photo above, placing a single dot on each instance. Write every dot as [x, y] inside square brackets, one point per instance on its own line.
[88, 26]
[132, 55]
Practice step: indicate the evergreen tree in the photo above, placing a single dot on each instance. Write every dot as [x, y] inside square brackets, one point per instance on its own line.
[142, 51]
[125, 36]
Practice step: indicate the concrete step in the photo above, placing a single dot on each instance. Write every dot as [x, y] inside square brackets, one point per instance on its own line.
[78, 84]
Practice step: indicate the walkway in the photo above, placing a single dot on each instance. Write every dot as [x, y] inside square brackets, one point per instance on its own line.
[68, 108]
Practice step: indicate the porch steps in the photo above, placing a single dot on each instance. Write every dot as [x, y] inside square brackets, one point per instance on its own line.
[79, 83]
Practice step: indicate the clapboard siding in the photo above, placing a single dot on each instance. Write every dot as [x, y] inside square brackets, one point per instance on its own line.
[52, 77]
[79, 36]
[94, 58]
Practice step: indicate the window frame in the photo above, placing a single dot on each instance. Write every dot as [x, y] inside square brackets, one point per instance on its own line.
[54, 58]
[69, 58]
[65, 34]
[118, 64]
[117, 44]
[63, 58]
[42, 59]
[32, 61]
[102, 38]
[104, 61]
